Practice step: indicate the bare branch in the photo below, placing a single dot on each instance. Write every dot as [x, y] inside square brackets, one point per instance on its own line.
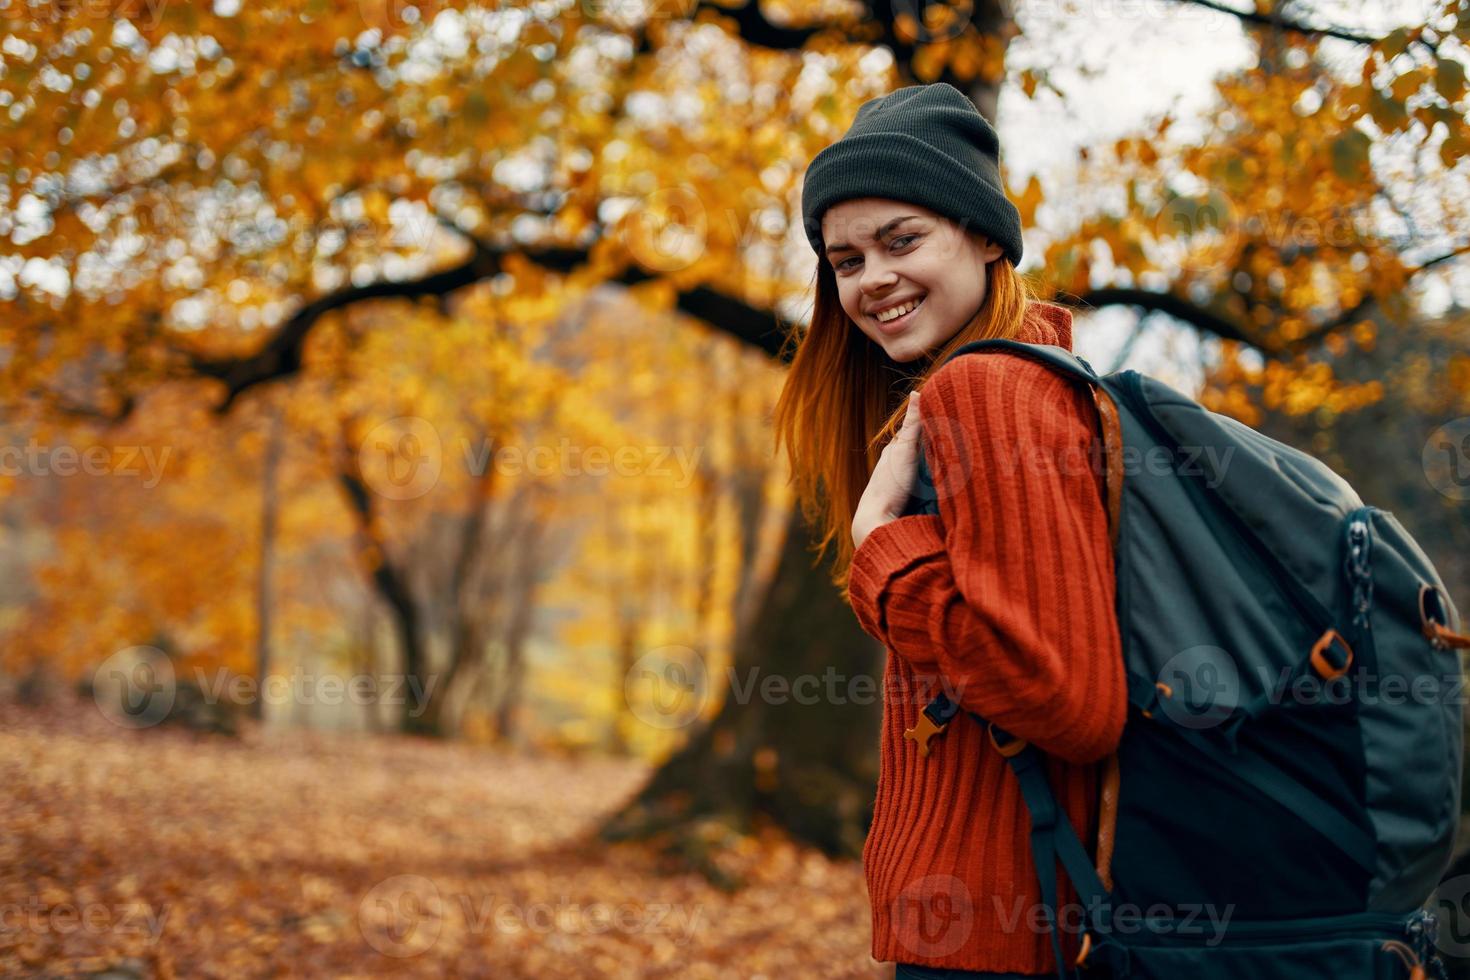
[754, 28]
[1275, 20]
[1176, 306]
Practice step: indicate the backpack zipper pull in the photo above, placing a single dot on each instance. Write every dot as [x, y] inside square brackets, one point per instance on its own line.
[1360, 571]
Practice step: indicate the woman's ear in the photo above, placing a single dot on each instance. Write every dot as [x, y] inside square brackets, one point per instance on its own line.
[989, 249]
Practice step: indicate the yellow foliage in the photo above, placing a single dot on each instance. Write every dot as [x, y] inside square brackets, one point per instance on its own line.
[1029, 200]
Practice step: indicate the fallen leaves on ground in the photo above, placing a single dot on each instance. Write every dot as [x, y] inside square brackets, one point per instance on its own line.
[283, 853]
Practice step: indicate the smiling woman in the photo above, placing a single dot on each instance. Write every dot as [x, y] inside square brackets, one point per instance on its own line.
[1006, 595]
[911, 278]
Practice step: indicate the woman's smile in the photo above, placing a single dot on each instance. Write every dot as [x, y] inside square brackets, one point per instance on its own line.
[894, 325]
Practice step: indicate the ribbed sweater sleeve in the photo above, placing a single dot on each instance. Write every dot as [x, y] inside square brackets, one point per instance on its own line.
[1008, 592]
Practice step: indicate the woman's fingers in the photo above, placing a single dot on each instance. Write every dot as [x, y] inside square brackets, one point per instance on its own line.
[909, 425]
[890, 484]
[911, 416]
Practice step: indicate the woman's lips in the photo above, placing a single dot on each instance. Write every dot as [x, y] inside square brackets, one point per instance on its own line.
[895, 325]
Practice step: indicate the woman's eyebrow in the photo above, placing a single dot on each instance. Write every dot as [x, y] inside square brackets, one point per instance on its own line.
[838, 246]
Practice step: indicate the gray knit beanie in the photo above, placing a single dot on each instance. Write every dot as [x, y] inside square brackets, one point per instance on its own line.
[926, 144]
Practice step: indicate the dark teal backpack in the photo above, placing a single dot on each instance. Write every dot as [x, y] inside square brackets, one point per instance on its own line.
[1286, 792]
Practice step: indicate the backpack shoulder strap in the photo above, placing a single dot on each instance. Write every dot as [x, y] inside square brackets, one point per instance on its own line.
[1064, 361]
[1052, 835]
[1059, 358]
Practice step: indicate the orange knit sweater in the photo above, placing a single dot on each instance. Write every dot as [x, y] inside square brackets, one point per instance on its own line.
[1005, 597]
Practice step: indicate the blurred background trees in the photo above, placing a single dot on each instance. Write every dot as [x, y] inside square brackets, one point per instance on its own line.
[439, 340]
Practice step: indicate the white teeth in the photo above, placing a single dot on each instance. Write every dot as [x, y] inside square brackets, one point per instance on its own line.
[898, 311]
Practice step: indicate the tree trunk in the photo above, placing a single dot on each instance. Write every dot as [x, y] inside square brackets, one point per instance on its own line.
[809, 767]
[267, 556]
[529, 559]
[508, 712]
[801, 754]
[467, 604]
[391, 585]
[405, 616]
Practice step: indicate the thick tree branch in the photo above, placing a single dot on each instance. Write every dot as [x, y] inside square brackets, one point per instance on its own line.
[1211, 323]
[750, 23]
[1275, 20]
[1358, 310]
[754, 28]
[280, 356]
[1176, 306]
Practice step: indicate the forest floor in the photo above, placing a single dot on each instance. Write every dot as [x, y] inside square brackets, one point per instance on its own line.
[166, 853]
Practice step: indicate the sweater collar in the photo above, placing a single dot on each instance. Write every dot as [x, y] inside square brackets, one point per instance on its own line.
[1047, 323]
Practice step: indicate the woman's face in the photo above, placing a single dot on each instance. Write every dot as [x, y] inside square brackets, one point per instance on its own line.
[887, 253]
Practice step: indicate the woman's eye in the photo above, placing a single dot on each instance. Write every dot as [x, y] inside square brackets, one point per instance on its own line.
[901, 239]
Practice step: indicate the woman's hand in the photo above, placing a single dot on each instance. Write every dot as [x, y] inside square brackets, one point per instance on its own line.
[893, 478]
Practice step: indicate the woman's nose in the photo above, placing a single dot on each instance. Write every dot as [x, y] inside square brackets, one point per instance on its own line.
[877, 277]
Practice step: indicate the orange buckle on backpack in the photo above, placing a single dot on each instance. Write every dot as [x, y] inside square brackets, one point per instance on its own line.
[1009, 748]
[1434, 621]
[923, 732]
[1324, 667]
